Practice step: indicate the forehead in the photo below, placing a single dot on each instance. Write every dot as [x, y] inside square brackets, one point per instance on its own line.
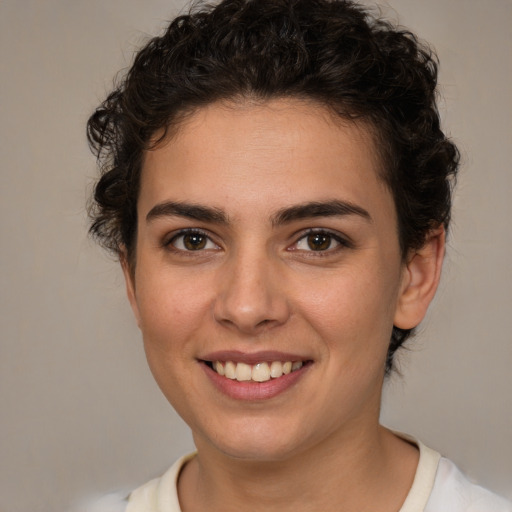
[262, 120]
[259, 154]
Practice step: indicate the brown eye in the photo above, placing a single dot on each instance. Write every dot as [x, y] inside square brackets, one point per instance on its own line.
[319, 241]
[192, 241]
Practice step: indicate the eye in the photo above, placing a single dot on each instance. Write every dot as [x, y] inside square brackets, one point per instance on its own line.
[319, 241]
[192, 240]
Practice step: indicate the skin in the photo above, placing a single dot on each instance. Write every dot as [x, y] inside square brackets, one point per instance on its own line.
[256, 283]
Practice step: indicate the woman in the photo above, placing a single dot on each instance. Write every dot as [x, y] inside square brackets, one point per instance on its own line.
[277, 188]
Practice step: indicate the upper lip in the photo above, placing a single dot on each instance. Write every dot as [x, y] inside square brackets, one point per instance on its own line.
[253, 357]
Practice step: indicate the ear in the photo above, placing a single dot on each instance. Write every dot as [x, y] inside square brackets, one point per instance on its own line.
[129, 278]
[421, 275]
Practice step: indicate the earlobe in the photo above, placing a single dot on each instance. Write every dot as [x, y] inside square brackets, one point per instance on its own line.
[420, 279]
[129, 278]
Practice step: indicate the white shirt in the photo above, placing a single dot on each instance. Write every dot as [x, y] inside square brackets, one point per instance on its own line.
[438, 486]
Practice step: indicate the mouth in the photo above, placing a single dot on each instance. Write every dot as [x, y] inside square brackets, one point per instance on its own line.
[254, 377]
[263, 371]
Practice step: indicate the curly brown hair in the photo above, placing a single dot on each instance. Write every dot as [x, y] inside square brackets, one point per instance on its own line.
[333, 52]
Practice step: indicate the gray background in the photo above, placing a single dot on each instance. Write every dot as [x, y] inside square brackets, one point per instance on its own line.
[80, 414]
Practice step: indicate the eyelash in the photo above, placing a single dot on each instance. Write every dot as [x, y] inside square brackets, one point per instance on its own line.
[170, 242]
[342, 243]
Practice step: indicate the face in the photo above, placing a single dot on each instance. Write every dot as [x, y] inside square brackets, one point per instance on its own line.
[268, 276]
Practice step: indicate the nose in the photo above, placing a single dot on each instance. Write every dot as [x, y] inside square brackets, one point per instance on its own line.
[251, 297]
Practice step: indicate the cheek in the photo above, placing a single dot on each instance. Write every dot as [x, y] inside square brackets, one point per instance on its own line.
[352, 311]
[172, 315]
[171, 310]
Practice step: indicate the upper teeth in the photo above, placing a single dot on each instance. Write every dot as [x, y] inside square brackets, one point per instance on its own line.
[260, 372]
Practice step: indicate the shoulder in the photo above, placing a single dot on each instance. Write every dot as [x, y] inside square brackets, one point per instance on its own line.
[159, 494]
[113, 502]
[439, 486]
[453, 492]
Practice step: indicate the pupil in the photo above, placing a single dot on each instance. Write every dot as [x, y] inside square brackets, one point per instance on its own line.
[319, 242]
[194, 241]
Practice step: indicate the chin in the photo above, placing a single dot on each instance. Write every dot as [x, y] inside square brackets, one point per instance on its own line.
[259, 452]
[256, 441]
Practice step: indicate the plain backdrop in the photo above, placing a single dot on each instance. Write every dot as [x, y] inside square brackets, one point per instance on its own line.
[79, 412]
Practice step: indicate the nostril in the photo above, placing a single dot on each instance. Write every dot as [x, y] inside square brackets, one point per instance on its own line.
[249, 300]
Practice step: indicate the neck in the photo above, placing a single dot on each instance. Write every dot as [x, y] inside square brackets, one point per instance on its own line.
[365, 469]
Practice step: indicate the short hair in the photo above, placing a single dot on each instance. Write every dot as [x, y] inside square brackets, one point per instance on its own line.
[336, 53]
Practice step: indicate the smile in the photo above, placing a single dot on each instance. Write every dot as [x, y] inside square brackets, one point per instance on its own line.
[259, 372]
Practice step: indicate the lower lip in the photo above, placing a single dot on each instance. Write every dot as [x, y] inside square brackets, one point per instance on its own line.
[254, 391]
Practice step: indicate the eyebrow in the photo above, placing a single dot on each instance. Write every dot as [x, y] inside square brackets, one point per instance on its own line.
[333, 208]
[187, 210]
